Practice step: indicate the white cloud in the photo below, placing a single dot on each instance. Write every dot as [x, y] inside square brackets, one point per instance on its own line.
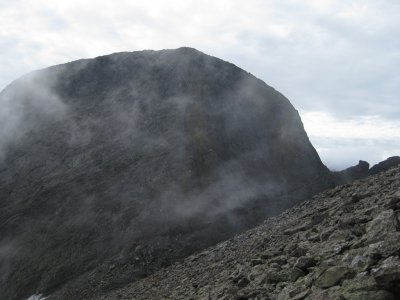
[342, 142]
[321, 124]
[340, 57]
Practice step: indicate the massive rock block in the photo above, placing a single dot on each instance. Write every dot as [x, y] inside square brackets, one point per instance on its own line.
[136, 159]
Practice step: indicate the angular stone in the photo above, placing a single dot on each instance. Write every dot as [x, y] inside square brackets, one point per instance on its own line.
[275, 266]
[318, 218]
[333, 293]
[325, 234]
[340, 235]
[296, 273]
[299, 250]
[384, 223]
[393, 202]
[257, 273]
[314, 238]
[362, 282]
[293, 293]
[388, 247]
[305, 262]
[280, 260]
[269, 254]
[275, 276]
[256, 261]
[361, 262]
[248, 293]
[337, 249]
[370, 295]
[333, 276]
[358, 244]
[327, 263]
[388, 274]
[242, 282]
[358, 230]
[348, 220]
[299, 228]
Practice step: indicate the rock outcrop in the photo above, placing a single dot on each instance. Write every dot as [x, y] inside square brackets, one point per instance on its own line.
[363, 170]
[111, 168]
[353, 173]
[385, 165]
[342, 244]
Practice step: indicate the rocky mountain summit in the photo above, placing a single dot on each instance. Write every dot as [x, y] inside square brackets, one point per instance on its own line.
[113, 167]
[343, 244]
[362, 170]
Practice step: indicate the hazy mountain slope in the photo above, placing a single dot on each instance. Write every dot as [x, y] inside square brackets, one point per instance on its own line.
[135, 159]
[342, 244]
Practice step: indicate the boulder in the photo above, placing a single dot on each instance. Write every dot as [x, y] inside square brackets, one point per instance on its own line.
[390, 245]
[305, 262]
[361, 263]
[334, 276]
[387, 274]
[383, 224]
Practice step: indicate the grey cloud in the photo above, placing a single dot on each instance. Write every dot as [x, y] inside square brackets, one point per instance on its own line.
[339, 154]
[17, 117]
[332, 64]
[346, 66]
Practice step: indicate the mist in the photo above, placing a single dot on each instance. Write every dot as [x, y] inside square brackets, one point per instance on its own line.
[25, 103]
[138, 159]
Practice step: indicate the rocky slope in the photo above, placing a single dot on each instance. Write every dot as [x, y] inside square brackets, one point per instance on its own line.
[342, 244]
[113, 167]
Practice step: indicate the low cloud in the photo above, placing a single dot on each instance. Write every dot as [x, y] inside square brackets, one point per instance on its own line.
[18, 117]
[337, 57]
[342, 142]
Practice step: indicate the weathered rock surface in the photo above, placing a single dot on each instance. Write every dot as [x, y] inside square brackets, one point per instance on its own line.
[111, 168]
[340, 265]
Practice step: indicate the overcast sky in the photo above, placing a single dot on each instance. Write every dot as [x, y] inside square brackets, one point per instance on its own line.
[337, 61]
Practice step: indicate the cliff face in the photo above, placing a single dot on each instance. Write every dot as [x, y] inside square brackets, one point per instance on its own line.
[342, 244]
[136, 159]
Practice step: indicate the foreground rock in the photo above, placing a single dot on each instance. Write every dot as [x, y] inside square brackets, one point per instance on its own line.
[341, 244]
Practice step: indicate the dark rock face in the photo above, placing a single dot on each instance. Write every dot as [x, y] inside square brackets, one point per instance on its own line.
[339, 260]
[385, 165]
[363, 170]
[113, 167]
